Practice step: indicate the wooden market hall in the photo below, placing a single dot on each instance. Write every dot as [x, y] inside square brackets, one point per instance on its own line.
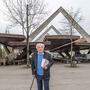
[15, 45]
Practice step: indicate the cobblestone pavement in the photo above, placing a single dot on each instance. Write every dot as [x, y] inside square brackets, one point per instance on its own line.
[63, 77]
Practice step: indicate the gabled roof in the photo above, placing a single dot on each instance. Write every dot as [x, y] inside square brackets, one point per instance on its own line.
[67, 16]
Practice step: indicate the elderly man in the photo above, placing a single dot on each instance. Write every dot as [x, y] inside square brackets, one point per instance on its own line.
[41, 63]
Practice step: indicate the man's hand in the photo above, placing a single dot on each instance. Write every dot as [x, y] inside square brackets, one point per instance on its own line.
[44, 66]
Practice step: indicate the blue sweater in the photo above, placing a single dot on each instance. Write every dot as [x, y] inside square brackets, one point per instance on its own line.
[39, 61]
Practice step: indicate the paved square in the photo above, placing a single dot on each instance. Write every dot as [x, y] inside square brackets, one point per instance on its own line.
[62, 77]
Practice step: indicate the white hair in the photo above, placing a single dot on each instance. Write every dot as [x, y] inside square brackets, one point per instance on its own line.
[40, 45]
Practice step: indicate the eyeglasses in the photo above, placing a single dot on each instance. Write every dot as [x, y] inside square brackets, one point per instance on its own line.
[40, 47]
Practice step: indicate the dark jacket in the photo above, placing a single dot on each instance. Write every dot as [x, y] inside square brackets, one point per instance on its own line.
[34, 64]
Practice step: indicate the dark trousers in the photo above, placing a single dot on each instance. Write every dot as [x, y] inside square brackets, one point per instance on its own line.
[41, 82]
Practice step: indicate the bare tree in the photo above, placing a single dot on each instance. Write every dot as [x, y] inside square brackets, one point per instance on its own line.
[26, 13]
[68, 29]
[16, 12]
[66, 26]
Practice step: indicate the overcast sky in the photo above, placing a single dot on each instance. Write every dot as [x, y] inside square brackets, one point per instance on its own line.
[53, 5]
[84, 6]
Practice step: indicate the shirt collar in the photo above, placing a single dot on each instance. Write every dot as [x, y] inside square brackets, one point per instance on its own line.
[41, 53]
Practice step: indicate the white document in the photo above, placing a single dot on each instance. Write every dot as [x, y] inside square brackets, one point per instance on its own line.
[44, 62]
